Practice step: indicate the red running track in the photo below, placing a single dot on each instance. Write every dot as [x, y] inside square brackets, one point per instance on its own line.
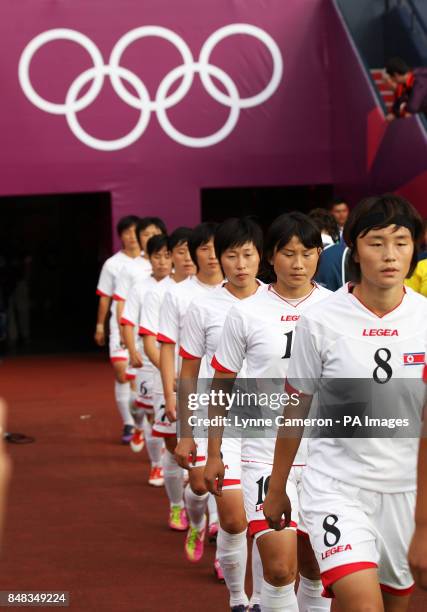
[81, 517]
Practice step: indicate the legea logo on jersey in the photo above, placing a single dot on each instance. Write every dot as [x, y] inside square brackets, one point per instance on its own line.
[380, 332]
[410, 359]
[163, 99]
[289, 318]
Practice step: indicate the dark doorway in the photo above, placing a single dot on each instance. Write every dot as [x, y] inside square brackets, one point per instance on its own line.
[263, 203]
[51, 250]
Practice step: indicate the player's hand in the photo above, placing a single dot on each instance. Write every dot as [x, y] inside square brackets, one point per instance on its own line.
[417, 556]
[390, 117]
[170, 408]
[136, 360]
[186, 452]
[100, 335]
[277, 505]
[214, 475]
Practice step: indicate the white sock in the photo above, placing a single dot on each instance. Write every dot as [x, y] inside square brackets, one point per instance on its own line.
[132, 397]
[278, 598]
[257, 574]
[122, 395]
[232, 554]
[173, 476]
[154, 445]
[212, 509]
[196, 507]
[138, 416]
[309, 596]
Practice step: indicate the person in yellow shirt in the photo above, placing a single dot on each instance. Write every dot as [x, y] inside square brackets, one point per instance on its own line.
[418, 281]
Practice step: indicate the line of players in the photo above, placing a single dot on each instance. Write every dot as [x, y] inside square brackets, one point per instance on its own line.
[349, 511]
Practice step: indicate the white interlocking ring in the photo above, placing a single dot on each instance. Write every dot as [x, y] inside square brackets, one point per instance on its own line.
[141, 101]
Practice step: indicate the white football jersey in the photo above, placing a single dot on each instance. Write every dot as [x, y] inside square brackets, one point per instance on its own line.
[347, 340]
[204, 322]
[131, 274]
[261, 330]
[173, 311]
[108, 281]
[149, 319]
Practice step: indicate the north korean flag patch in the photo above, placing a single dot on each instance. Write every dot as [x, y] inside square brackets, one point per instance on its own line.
[410, 359]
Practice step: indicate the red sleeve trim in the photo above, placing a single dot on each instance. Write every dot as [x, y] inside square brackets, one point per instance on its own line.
[398, 592]
[163, 338]
[146, 332]
[102, 294]
[220, 368]
[290, 390]
[331, 576]
[115, 359]
[425, 374]
[183, 353]
[118, 298]
[124, 321]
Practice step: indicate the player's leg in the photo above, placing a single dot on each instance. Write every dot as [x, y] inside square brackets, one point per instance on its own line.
[278, 553]
[155, 449]
[309, 594]
[277, 550]
[123, 396]
[172, 472]
[257, 579]
[310, 588]
[196, 499]
[232, 547]
[359, 592]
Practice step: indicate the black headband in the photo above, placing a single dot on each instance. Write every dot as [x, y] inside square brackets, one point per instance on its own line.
[377, 219]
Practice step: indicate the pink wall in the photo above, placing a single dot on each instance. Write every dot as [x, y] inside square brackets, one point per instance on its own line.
[283, 140]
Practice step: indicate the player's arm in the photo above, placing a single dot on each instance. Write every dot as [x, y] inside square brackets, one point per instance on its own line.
[128, 335]
[167, 372]
[214, 469]
[186, 447]
[151, 349]
[103, 309]
[120, 306]
[288, 441]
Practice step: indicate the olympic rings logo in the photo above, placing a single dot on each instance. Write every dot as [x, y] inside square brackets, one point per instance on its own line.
[142, 102]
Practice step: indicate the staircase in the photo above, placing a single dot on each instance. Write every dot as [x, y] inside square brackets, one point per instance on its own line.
[383, 87]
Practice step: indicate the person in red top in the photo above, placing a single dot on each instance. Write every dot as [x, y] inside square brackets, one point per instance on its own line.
[410, 88]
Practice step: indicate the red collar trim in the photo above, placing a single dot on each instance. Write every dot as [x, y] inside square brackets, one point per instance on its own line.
[270, 288]
[351, 286]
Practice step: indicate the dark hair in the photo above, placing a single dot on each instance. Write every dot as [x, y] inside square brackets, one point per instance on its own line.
[325, 221]
[336, 201]
[145, 222]
[389, 206]
[283, 229]
[235, 232]
[200, 235]
[179, 236]
[396, 65]
[156, 244]
[125, 223]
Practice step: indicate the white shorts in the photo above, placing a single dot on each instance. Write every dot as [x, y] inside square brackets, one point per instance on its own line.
[231, 452]
[117, 352]
[144, 389]
[353, 529]
[255, 479]
[162, 427]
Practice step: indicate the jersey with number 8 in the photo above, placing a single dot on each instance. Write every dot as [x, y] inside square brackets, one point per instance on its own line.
[347, 340]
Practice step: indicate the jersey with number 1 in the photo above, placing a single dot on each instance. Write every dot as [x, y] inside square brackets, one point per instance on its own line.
[260, 330]
[346, 340]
